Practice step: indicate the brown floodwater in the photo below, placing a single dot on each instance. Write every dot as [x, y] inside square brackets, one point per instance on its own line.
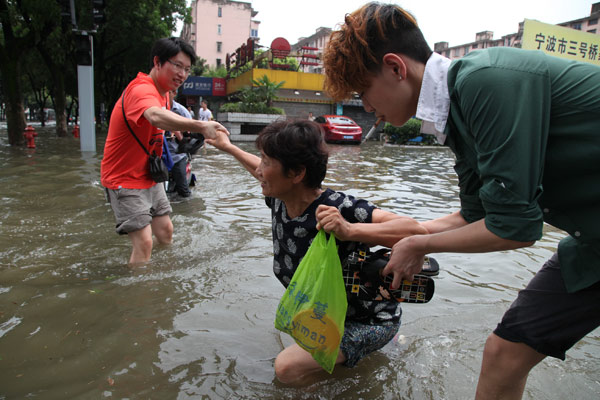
[197, 322]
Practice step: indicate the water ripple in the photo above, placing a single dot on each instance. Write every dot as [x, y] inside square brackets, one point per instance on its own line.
[197, 320]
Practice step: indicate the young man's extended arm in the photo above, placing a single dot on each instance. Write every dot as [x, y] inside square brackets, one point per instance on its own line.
[385, 229]
[169, 121]
[249, 161]
[445, 223]
[407, 254]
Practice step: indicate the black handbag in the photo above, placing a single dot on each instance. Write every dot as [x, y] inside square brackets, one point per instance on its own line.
[158, 170]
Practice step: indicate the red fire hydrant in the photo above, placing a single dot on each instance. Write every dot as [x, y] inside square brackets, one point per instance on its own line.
[76, 131]
[30, 135]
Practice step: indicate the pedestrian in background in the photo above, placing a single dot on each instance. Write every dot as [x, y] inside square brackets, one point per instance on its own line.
[204, 114]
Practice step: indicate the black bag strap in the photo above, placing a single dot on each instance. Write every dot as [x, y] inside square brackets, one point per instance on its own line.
[127, 123]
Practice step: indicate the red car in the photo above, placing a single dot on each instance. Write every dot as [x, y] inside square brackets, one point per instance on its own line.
[339, 129]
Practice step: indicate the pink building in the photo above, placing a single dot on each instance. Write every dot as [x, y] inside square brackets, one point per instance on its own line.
[219, 27]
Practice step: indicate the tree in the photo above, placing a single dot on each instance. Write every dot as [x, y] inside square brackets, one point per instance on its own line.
[13, 43]
[121, 48]
[200, 68]
[267, 89]
[56, 52]
[25, 23]
[122, 45]
[215, 72]
[257, 99]
[36, 84]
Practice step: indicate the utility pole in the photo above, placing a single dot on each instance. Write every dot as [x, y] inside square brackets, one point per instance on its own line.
[85, 89]
[84, 55]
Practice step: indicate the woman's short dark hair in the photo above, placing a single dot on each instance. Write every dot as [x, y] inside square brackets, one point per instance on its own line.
[297, 145]
[166, 48]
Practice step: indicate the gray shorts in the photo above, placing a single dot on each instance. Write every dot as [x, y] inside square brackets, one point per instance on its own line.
[361, 339]
[135, 208]
[546, 317]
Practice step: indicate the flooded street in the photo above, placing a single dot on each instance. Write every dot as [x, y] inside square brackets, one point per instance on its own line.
[197, 322]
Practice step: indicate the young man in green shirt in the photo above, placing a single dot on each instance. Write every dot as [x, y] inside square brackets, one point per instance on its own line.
[525, 129]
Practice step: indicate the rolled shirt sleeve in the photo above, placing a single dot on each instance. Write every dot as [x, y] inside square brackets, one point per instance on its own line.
[501, 114]
[525, 129]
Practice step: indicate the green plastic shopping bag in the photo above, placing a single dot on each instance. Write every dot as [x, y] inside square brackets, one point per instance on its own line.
[313, 308]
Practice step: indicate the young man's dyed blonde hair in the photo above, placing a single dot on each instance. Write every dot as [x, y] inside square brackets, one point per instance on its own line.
[354, 53]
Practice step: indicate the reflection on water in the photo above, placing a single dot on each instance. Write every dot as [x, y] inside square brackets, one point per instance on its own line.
[197, 321]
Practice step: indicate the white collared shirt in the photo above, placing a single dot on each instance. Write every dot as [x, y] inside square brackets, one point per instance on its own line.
[434, 99]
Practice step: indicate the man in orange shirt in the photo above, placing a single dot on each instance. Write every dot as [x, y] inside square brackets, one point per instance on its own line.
[140, 205]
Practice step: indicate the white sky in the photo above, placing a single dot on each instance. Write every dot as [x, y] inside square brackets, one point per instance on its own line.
[453, 21]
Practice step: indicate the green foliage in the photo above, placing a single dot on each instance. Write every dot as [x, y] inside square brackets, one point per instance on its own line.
[252, 108]
[266, 90]
[214, 72]
[263, 63]
[37, 84]
[121, 48]
[199, 68]
[24, 24]
[122, 45]
[235, 72]
[291, 61]
[258, 99]
[410, 130]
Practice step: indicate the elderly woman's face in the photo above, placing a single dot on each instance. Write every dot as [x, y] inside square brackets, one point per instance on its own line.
[273, 181]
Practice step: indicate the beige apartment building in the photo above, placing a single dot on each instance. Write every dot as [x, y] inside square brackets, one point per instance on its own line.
[219, 27]
[483, 40]
[587, 24]
[486, 39]
[311, 50]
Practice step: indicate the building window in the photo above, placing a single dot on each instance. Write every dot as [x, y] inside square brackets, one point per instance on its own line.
[475, 46]
[447, 53]
[218, 62]
[592, 31]
[220, 12]
[254, 33]
[576, 26]
[466, 50]
[593, 21]
[219, 29]
[219, 46]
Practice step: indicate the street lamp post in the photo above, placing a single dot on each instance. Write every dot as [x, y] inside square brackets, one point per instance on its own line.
[84, 54]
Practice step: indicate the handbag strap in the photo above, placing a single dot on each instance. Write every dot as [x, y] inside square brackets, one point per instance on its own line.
[127, 123]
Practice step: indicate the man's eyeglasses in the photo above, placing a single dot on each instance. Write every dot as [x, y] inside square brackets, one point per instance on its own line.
[180, 67]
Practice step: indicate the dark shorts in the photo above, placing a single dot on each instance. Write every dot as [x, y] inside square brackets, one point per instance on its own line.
[547, 318]
[135, 208]
[360, 340]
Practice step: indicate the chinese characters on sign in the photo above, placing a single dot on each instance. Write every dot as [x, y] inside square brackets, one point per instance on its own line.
[219, 87]
[204, 86]
[561, 42]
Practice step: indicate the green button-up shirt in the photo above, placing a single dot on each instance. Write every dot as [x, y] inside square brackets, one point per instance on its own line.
[525, 128]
